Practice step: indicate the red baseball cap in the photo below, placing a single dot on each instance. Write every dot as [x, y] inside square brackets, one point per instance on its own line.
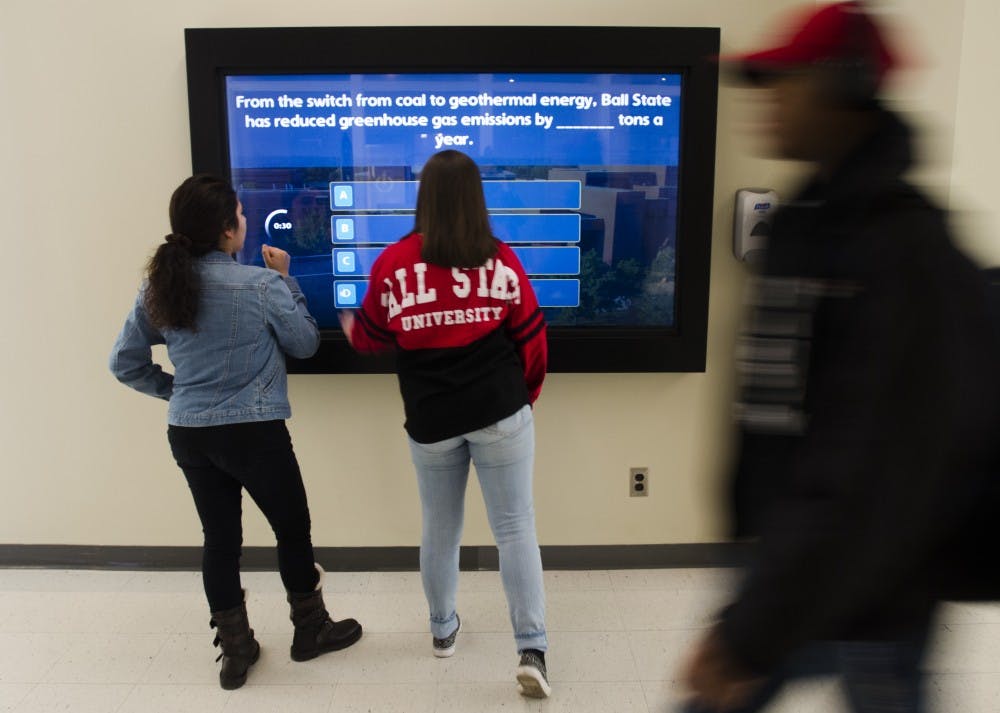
[831, 33]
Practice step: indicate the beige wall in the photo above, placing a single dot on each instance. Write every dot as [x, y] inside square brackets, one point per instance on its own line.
[975, 177]
[83, 191]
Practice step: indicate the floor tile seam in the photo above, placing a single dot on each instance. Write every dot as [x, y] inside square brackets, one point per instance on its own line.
[952, 625]
[635, 660]
[36, 681]
[333, 697]
[121, 704]
[678, 628]
[32, 590]
[181, 684]
[930, 672]
[982, 674]
[55, 662]
[111, 605]
[467, 631]
[699, 627]
[438, 706]
[595, 681]
[645, 695]
[88, 684]
[618, 610]
[24, 697]
[152, 659]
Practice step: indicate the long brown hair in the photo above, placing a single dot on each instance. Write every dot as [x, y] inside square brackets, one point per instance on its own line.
[451, 212]
[201, 210]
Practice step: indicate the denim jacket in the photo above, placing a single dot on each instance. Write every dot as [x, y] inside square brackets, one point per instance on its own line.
[231, 367]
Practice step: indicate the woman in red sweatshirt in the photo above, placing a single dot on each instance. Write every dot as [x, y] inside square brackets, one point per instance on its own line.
[456, 306]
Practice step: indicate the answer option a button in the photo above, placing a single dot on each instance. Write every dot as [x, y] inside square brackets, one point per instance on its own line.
[343, 196]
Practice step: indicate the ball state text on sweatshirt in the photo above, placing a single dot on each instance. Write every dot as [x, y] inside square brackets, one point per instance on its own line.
[470, 342]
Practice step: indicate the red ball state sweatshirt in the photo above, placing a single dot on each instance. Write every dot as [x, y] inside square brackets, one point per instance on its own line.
[470, 342]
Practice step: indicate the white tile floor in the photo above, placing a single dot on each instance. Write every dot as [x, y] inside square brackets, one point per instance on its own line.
[138, 642]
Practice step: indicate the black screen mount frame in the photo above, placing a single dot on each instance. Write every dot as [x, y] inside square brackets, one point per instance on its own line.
[214, 53]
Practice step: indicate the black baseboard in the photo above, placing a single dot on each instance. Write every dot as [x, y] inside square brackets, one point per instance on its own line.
[356, 559]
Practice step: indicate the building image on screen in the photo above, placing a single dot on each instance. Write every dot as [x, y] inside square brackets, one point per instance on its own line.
[580, 175]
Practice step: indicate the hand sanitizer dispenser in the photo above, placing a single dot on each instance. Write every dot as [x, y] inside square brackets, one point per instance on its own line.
[752, 222]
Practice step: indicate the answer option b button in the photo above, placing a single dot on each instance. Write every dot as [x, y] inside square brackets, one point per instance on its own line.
[344, 229]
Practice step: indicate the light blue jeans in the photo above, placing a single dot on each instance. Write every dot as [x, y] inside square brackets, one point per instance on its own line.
[503, 454]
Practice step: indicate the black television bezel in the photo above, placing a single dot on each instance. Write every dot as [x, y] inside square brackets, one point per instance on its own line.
[214, 53]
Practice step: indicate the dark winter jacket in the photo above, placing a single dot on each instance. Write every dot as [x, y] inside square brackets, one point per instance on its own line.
[868, 409]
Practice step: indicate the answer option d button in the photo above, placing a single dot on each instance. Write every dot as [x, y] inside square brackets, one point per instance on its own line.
[347, 295]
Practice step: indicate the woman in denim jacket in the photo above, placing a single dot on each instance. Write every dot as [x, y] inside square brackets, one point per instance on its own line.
[227, 328]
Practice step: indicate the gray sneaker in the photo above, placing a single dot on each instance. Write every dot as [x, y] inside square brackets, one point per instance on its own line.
[444, 648]
[532, 679]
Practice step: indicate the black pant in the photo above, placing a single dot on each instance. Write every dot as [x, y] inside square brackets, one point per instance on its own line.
[218, 462]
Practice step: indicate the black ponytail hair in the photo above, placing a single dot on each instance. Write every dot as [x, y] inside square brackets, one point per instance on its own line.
[201, 210]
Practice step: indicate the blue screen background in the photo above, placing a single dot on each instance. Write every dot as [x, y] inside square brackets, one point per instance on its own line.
[624, 157]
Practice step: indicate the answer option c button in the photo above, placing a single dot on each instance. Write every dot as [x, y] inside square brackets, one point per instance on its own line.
[354, 262]
[346, 262]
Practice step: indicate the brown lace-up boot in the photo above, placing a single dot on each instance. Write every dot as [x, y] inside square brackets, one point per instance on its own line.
[239, 649]
[315, 632]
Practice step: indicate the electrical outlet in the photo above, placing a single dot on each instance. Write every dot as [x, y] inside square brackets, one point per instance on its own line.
[638, 482]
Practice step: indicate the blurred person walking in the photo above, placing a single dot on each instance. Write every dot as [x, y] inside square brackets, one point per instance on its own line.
[868, 404]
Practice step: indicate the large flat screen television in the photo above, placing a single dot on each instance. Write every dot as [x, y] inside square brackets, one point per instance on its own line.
[596, 147]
